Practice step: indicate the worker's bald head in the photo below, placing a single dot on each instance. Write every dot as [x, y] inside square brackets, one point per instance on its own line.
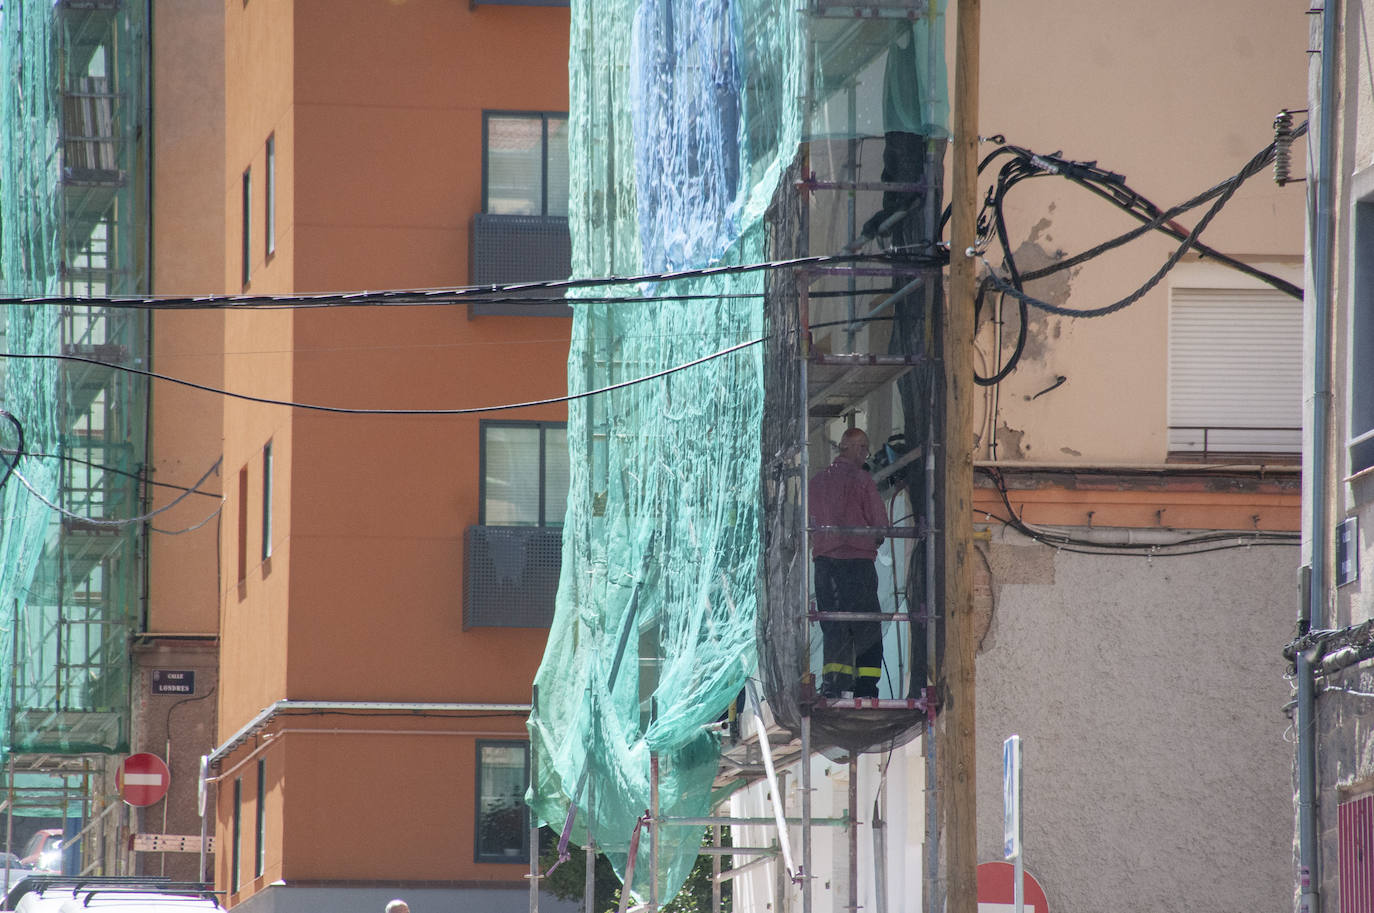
[854, 446]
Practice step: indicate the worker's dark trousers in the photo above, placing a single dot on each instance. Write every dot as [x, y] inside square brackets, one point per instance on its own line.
[904, 161]
[853, 652]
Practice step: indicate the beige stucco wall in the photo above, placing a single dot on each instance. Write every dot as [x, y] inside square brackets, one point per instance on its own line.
[1176, 96]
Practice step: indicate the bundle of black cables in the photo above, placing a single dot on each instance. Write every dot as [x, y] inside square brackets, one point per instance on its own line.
[1022, 164]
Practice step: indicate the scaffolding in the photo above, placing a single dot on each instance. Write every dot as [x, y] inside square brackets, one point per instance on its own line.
[72, 225]
[749, 133]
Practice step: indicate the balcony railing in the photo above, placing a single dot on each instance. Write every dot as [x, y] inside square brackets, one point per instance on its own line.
[508, 249]
[510, 576]
[1205, 441]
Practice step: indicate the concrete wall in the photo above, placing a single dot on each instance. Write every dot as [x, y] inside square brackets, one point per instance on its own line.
[1149, 701]
[370, 898]
[1150, 705]
[1148, 691]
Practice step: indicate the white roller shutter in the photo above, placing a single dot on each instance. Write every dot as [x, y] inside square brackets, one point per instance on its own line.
[1235, 370]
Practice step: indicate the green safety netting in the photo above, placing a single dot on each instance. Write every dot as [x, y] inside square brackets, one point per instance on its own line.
[28, 265]
[70, 224]
[686, 119]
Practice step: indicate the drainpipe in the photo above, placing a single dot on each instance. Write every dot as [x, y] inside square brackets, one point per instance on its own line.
[1321, 214]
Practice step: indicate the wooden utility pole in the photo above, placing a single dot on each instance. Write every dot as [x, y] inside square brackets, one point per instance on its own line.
[959, 794]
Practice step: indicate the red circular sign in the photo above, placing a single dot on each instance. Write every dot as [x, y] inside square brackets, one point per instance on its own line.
[143, 779]
[997, 881]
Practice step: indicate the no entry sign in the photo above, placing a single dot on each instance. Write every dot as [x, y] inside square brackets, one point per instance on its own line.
[996, 886]
[143, 779]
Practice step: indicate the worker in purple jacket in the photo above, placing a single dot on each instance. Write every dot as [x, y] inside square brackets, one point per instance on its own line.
[844, 494]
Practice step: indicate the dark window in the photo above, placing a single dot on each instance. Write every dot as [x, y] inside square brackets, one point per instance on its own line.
[503, 772]
[521, 234]
[247, 225]
[525, 163]
[267, 501]
[513, 557]
[243, 525]
[1362, 341]
[260, 822]
[524, 473]
[234, 858]
[270, 209]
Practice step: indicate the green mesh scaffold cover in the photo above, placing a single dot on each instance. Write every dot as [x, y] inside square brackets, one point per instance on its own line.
[682, 117]
[29, 261]
[69, 565]
[685, 118]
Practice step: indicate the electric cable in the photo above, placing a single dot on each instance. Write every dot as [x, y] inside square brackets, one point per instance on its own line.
[1189, 545]
[113, 470]
[467, 410]
[934, 257]
[1112, 187]
[1152, 219]
[122, 521]
[1220, 194]
[1004, 183]
[1021, 335]
[219, 508]
[1134, 296]
[18, 451]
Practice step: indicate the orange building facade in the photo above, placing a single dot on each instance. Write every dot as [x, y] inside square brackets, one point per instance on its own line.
[373, 681]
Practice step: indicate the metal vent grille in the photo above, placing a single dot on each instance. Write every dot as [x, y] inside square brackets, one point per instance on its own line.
[511, 576]
[508, 249]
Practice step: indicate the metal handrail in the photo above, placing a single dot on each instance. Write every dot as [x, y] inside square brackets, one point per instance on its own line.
[1208, 429]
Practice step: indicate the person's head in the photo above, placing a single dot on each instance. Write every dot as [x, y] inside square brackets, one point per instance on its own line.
[854, 446]
[397, 906]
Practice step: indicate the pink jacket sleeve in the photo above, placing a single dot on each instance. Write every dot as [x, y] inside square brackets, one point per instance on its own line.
[875, 511]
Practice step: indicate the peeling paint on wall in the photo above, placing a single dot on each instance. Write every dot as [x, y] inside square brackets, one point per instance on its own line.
[1010, 442]
[1042, 328]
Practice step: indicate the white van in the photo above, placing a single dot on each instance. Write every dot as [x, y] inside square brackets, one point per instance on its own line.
[133, 894]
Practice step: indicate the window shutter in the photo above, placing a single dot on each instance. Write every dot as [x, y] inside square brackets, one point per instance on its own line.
[1235, 371]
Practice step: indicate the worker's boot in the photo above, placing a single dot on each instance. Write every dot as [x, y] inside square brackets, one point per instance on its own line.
[837, 685]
